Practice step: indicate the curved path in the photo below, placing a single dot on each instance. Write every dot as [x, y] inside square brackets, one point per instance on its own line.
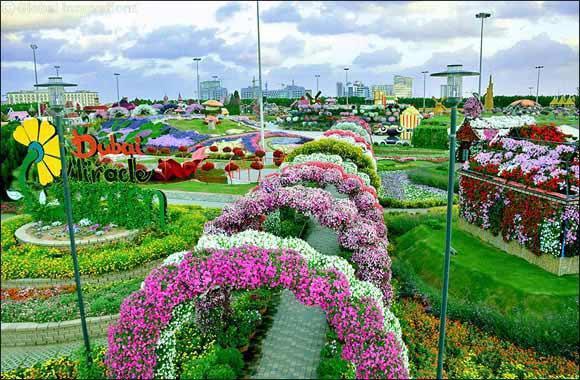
[291, 350]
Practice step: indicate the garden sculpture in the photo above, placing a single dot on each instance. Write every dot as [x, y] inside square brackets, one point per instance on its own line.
[439, 107]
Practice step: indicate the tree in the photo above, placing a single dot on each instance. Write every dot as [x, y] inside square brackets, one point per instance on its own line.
[237, 99]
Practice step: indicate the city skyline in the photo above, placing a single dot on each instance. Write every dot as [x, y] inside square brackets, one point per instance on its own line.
[157, 58]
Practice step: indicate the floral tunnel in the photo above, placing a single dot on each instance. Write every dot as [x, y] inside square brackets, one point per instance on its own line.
[359, 322]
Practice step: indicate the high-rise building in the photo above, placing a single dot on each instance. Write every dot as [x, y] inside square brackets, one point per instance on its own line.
[339, 89]
[83, 98]
[386, 89]
[358, 89]
[403, 86]
[212, 89]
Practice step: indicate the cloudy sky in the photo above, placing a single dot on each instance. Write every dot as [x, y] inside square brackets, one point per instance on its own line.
[152, 44]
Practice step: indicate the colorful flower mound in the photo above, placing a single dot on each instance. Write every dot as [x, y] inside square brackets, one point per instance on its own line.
[366, 237]
[42, 139]
[353, 127]
[351, 137]
[358, 121]
[251, 141]
[545, 133]
[472, 108]
[536, 223]
[143, 316]
[534, 165]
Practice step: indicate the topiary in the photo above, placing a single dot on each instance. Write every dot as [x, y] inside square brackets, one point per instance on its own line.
[11, 153]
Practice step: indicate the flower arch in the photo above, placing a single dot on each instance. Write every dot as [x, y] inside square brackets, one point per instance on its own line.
[144, 314]
[365, 235]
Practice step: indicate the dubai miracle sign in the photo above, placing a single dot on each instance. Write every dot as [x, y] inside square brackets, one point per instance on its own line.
[88, 146]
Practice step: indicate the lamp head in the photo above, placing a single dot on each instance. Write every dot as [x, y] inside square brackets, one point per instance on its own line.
[454, 75]
[483, 15]
[33, 46]
[56, 87]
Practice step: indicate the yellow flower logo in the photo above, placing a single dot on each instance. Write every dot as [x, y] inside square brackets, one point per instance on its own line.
[42, 139]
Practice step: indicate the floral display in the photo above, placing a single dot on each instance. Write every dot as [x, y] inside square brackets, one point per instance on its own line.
[356, 137]
[144, 110]
[363, 234]
[536, 223]
[396, 184]
[38, 293]
[118, 112]
[132, 339]
[544, 133]
[84, 228]
[472, 108]
[552, 168]
[353, 127]
[488, 128]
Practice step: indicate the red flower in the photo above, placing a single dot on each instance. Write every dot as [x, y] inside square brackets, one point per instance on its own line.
[260, 153]
[231, 167]
[151, 149]
[227, 149]
[182, 148]
[207, 166]
[213, 148]
[257, 165]
[278, 153]
[239, 152]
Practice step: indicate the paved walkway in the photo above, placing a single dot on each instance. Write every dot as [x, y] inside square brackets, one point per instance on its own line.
[13, 357]
[292, 347]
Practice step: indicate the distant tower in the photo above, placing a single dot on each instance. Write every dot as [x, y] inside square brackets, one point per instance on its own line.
[179, 97]
[165, 99]
[489, 95]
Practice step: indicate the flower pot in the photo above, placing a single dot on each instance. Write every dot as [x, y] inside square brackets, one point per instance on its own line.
[244, 348]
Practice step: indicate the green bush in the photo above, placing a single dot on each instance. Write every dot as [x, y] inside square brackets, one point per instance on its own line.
[221, 372]
[12, 154]
[421, 203]
[430, 137]
[344, 150]
[231, 357]
[399, 223]
[124, 204]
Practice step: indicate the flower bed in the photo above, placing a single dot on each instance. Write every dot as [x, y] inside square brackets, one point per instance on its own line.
[31, 261]
[470, 353]
[546, 167]
[132, 339]
[396, 185]
[535, 222]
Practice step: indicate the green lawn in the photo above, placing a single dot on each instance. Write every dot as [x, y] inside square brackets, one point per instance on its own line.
[195, 186]
[480, 273]
[404, 151]
[199, 126]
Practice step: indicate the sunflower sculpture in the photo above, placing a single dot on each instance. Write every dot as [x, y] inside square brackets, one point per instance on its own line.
[43, 149]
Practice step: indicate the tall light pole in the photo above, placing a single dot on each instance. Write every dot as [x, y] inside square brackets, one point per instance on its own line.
[482, 16]
[196, 60]
[317, 76]
[34, 47]
[424, 87]
[538, 84]
[118, 98]
[346, 83]
[56, 98]
[260, 78]
[531, 88]
[454, 77]
[56, 67]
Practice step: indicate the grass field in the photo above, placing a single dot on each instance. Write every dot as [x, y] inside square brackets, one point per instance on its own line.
[200, 187]
[407, 151]
[199, 126]
[502, 294]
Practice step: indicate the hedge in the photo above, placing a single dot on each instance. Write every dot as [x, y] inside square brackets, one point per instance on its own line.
[343, 149]
[430, 137]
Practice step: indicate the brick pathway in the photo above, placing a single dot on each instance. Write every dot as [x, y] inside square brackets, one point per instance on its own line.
[292, 347]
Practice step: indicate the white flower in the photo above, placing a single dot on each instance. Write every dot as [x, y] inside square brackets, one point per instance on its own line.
[85, 222]
[56, 224]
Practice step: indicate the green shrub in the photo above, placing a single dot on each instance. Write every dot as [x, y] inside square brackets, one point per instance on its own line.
[198, 368]
[344, 150]
[231, 357]
[124, 204]
[430, 137]
[221, 372]
[11, 155]
[399, 223]
[421, 203]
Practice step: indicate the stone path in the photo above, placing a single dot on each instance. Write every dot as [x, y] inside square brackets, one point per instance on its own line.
[13, 357]
[292, 347]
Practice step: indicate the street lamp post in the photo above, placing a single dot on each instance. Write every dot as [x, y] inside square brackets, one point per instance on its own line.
[196, 60]
[424, 87]
[118, 97]
[538, 83]
[346, 83]
[454, 83]
[260, 78]
[56, 93]
[531, 88]
[317, 76]
[482, 16]
[34, 47]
